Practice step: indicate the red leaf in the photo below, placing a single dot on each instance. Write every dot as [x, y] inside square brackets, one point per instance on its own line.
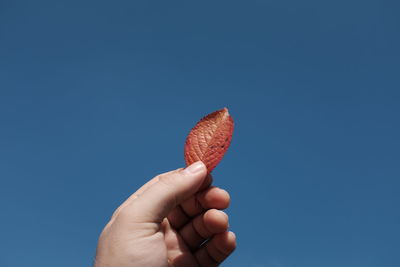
[209, 139]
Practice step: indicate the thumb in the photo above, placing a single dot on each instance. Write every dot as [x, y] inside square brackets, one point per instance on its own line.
[170, 190]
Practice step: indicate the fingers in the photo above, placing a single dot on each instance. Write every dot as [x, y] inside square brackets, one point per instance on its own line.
[141, 190]
[171, 189]
[207, 182]
[178, 252]
[216, 250]
[203, 227]
[211, 198]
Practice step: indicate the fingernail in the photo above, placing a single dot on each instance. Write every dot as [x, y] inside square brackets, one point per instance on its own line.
[195, 167]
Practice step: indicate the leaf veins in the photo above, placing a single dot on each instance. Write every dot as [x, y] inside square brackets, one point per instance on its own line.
[209, 139]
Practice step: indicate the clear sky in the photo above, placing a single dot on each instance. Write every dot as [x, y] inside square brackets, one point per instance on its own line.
[97, 97]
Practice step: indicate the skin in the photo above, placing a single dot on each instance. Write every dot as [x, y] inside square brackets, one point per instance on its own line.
[175, 219]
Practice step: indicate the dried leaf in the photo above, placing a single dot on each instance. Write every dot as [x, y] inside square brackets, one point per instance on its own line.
[209, 139]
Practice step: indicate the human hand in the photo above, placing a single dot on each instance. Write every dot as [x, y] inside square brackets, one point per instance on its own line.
[172, 220]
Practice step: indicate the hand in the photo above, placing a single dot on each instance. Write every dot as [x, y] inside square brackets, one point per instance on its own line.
[173, 220]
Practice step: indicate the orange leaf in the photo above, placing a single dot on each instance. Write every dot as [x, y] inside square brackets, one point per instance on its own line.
[209, 139]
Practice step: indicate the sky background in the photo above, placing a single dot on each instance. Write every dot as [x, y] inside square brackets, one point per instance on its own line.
[97, 97]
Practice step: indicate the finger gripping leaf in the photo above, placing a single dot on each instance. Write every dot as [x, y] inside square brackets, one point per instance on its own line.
[209, 139]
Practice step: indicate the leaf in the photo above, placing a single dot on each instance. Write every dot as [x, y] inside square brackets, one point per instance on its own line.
[209, 139]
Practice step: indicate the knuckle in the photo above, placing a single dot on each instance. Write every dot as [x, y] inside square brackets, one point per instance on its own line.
[122, 213]
[171, 179]
[166, 180]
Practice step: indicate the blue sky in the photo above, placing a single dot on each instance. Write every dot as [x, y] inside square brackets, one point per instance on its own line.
[97, 97]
